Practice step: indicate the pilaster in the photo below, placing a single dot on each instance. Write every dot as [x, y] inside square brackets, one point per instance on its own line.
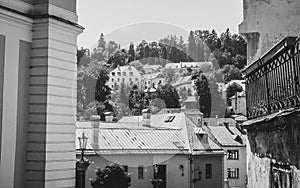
[51, 132]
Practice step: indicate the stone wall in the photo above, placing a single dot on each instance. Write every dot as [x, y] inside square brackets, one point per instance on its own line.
[276, 141]
[266, 22]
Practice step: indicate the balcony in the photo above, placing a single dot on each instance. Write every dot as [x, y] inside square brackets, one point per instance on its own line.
[272, 82]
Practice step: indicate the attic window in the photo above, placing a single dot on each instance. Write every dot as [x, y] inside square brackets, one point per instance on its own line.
[178, 144]
[169, 119]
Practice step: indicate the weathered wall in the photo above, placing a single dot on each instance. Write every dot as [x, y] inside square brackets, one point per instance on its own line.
[268, 21]
[278, 141]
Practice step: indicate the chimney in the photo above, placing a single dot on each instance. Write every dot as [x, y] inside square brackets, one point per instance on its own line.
[109, 116]
[195, 115]
[95, 122]
[199, 121]
[146, 118]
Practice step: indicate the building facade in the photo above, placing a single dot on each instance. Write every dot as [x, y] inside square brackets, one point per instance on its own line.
[153, 80]
[238, 103]
[272, 91]
[170, 140]
[37, 75]
[126, 74]
[233, 142]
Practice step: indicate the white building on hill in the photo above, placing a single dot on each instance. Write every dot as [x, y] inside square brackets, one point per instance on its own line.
[185, 65]
[127, 74]
[153, 80]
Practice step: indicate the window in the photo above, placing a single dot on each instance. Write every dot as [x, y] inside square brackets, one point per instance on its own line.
[131, 73]
[112, 86]
[113, 73]
[233, 154]
[123, 79]
[140, 172]
[125, 168]
[233, 173]
[112, 79]
[119, 73]
[208, 171]
[118, 80]
[169, 119]
[130, 79]
[124, 73]
[136, 79]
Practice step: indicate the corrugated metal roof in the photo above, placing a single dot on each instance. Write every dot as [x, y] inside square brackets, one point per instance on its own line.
[129, 137]
[135, 140]
[225, 137]
[217, 121]
[199, 147]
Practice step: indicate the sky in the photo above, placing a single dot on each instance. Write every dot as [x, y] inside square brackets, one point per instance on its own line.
[126, 21]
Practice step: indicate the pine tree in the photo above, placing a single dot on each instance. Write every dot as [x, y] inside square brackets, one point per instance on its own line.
[204, 95]
[192, 46]
[131, 53]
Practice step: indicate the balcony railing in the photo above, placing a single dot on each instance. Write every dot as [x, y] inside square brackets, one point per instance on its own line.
[272, 82]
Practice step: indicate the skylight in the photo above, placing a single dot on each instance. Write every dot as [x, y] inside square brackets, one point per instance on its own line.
[169, 119]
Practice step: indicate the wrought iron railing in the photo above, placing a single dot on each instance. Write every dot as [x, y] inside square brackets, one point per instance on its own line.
[272, 82]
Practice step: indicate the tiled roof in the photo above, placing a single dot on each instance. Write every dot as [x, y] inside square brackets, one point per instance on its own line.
[183, 80]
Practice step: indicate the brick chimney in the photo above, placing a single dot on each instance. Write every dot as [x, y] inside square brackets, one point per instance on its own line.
[146, 118]
[95, 122]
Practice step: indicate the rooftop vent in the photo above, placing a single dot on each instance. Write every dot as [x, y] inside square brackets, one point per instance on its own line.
[146, 118]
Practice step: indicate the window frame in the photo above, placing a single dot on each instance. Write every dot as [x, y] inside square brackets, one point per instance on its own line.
[141, 172]
[208, 171]
[233, 173]
[233, 154]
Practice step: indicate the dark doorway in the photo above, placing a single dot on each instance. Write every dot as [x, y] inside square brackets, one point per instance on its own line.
[162, 169]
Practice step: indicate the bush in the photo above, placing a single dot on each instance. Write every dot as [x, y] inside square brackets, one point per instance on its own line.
[112, 176]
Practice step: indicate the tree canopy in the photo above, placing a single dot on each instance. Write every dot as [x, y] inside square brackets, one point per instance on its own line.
[204, 95]
[169, 95]
[112, 176]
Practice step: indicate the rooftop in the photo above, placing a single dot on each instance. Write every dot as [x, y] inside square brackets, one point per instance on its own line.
[199, 147]
[227, 136]
[166, 135]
